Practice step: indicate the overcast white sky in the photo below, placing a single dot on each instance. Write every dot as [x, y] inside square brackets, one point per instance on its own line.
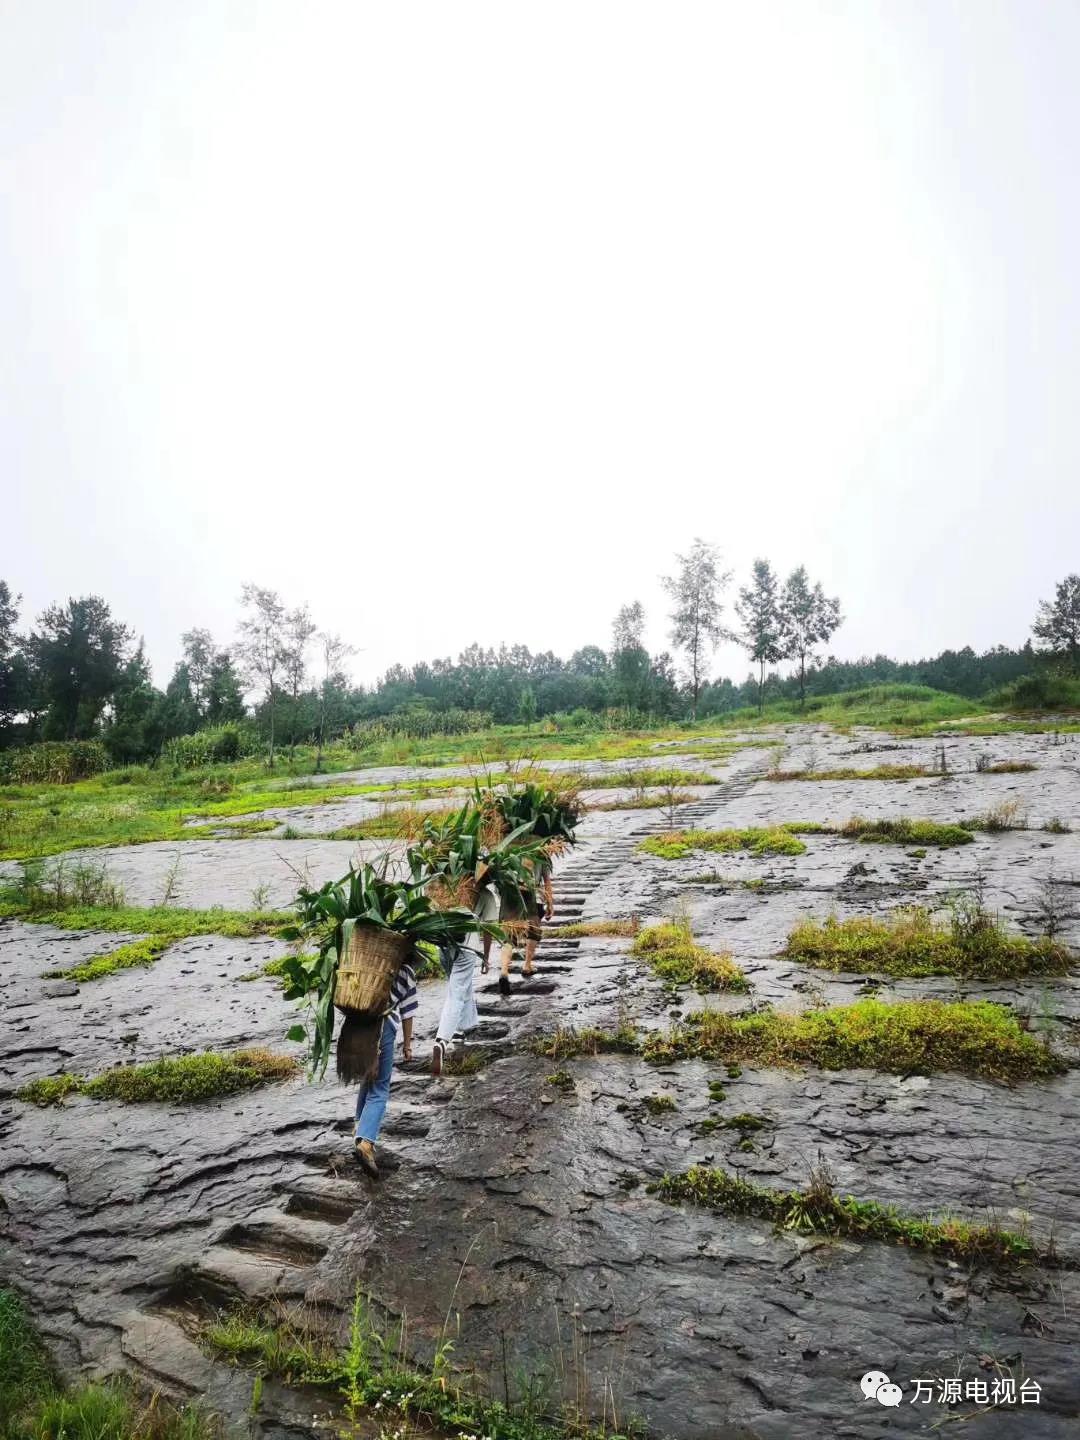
[458, 320]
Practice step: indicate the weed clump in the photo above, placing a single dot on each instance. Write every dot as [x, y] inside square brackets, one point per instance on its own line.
[186, 1079]
[778, 840]
[910, 942]
[671, 952]
[820, 1210]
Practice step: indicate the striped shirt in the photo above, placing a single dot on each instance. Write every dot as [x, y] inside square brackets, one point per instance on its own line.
[403, 1001]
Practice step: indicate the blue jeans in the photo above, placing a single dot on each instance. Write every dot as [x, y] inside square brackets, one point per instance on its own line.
[371, 1101]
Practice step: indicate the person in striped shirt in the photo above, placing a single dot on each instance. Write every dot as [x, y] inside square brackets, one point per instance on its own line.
[372, 1098]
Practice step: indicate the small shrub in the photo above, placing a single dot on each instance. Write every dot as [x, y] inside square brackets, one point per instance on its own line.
[1007, 815]
[214, 746]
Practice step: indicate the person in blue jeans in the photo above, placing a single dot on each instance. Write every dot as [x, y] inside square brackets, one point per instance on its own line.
[373, 1095]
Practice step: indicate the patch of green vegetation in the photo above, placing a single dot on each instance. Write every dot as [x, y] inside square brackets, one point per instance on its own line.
[747, 1123]
[153, 919]
[35, 1406]
[901, 708]
[920, 1037]
[1008, 815]
[659, 1104]
[820, 1210]
[185, 1079]
[468, 1062]
[674, 844]
[1009, 767]
[898, 831]
[879, 772]
[640, 779]
[40, 820]
[375, 1382]
[232, 829]
[671, 952]
[1056, 826]
[562, 1080]
[124, 957]
[646, 800]
[912, 1037]
[588, 929]
[568, 1041]
[910, 942]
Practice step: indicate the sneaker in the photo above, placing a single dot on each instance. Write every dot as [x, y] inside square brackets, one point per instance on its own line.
[457, 1042]
[438, 1056]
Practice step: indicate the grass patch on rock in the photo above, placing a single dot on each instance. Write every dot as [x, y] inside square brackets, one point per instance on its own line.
[646, 800]
[879, 772]
[124, 957]
[912, 1037]
[589, 929]
[639, 779]
[820, 1210]
[900, 830]
[671, 952]
[911, 942]
[185, 1079]
[674, 844]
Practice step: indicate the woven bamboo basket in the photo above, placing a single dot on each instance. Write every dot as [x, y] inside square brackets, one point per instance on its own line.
[366, 971]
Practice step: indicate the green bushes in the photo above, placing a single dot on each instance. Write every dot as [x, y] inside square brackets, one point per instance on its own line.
[215, 746]
[54, 762]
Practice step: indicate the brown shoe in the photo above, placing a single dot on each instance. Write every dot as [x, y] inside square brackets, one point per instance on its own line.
[365, 1153]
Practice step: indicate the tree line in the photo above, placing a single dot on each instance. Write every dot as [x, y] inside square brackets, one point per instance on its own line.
[78, 673]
